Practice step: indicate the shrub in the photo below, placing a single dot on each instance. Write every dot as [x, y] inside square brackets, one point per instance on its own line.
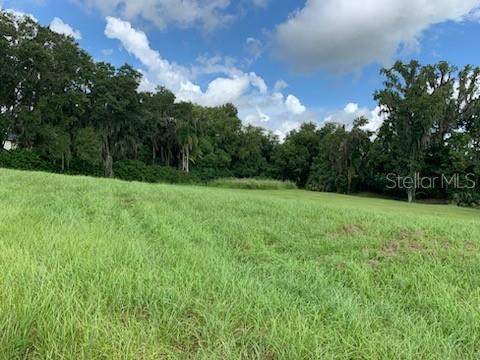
[254, 184]
[24, 160]
[83, 167]
[133, 170]
[130, 170]
[466, 199]
[166, 174]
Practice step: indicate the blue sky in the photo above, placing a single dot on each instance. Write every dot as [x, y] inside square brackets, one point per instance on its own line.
[281, 62]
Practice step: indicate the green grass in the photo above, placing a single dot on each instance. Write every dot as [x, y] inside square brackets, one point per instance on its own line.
[253, 184]
[102, 269]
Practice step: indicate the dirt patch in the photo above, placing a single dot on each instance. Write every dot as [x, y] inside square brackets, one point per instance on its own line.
[126, 201]
[411, 235]
[416, 245]
[391, 249]
[470, 246]
[271, 356]
[407, 241]
[195, 344]
[374, 263]
[340, 265]
[351, 230]
[413, 239]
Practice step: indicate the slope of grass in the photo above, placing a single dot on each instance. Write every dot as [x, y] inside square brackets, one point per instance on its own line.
[101, 269]
[253, 184]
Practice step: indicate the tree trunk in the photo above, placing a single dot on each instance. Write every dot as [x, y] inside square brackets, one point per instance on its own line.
[411, 195]
[109, 166]
[184, 163]
[349, 181]
[154, 153]
[107, 159]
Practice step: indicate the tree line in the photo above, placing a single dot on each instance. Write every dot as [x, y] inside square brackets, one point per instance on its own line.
[71, 114]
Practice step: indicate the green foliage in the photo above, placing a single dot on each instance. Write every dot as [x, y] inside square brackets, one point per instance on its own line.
[254, 184]
[134, 170]
[88, 145]
[78, 116]
[466, 198]
[426, 109]
[24, 160]
[341, 163]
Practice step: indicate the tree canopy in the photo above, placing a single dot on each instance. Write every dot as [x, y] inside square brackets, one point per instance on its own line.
[74, 115]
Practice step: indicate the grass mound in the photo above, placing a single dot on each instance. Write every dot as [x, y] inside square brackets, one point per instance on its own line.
[105, 269]
[253, 184]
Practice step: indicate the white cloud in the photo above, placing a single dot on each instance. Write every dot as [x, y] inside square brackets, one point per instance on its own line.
[248, 91]
[208, 14]
[262, 116]
[19, 15]
[294, 105]
[351, 108]
[348, 34]
[254, 48]
[280, 85]
[285, 128]
[136, 43]
[57, 25]
[353, 111]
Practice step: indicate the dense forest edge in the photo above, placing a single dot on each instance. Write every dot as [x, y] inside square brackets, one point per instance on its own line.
[60, 111]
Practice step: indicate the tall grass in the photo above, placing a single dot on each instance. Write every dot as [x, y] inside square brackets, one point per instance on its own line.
[102, 269]
[253, 184]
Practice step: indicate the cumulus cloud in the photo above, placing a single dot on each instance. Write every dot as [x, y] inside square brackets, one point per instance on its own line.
[248, 91]
[294, 105]
[345, 35]
[353, 111]
[136, 43]
[351, 108]
[208, 14]
[57, 25]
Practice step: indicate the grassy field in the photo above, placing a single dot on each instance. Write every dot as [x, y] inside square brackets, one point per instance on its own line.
[102, 269]
[253, 184]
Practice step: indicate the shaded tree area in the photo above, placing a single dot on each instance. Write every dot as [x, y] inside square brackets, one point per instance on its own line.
[70, 114]
[80, 116]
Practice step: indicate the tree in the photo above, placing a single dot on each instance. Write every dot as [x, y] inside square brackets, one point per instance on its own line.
[115, 111]
[412, 108]
[186, 134]
[159, 129]
[295, 156]
[354, 151]
[70, 114]
[219, 132]
[468, 110]
[254, 155]
[88, 145]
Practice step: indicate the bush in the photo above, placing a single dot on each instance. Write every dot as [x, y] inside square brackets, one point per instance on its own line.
[83, 167]
[133, 170]
[466, 199]
[166, 174]
[25, 160]
[254, 184]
